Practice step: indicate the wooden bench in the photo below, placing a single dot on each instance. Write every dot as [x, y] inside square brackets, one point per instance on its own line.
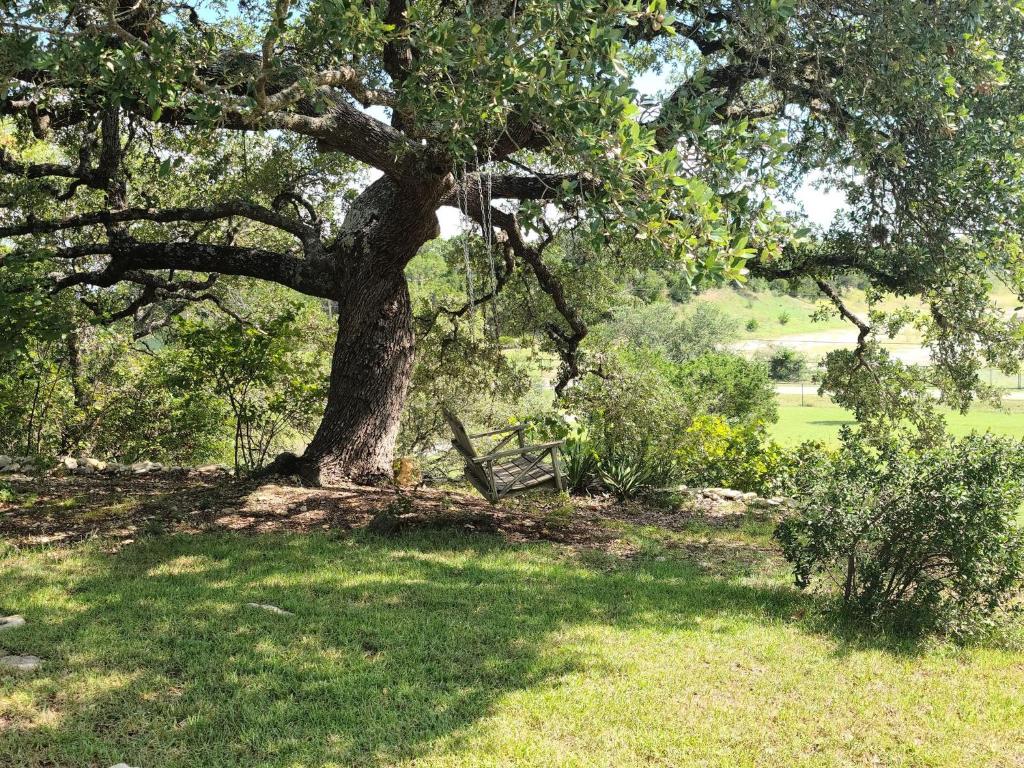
[507, 471]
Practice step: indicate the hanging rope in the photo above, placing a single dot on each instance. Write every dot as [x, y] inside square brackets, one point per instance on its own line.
[462, 195]
[485, 191]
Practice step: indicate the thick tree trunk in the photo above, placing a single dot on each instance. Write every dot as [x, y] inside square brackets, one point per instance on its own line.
[370, 376]
[373, 357]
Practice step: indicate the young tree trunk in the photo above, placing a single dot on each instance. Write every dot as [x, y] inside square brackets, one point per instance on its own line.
[370, 374]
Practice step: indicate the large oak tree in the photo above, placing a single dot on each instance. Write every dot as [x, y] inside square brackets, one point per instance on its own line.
[157, 144]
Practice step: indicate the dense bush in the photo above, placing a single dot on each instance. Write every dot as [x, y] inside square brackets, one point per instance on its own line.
[742, 456]
[165, 386]
[648, 286]
[922, 539]
[663, 329]
[785, 364]
[272, 376]
[652, 422]
[93, 393]
[679, 289]
[148, 417]
[636, 414]
[727, 385]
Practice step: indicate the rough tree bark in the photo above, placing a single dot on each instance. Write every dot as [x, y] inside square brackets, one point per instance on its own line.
[370, 375]
[373, 357]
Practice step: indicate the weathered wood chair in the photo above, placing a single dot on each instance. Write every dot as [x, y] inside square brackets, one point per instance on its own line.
[502, 473]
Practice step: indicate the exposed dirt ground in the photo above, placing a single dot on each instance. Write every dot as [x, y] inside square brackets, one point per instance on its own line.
[57, 509]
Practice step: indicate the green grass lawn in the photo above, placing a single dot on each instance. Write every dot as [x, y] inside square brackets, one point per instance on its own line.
[820, 420]
[452, 649]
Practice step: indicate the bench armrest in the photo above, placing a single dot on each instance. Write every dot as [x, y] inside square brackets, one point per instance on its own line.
[519, 451]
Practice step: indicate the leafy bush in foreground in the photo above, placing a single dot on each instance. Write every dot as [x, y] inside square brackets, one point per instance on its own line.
[923, 539]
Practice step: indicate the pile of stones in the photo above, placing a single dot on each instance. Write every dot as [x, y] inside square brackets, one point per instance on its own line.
[86, 465]
[711, 498]
[13, 464]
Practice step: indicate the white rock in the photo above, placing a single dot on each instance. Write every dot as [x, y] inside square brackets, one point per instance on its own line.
[749, 496]
[21, 663]
[11, 468]
[142, 467]
[271, 609]
[10, 622]
[96, 464]
[5, 460]
[69, 463]
[725, 493]
[121, 765]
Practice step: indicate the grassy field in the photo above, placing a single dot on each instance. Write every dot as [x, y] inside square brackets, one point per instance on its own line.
[768, 309]
[453, 649]
[819, 419]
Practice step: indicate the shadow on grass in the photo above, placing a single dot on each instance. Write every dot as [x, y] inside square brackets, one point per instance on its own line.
[396, 647]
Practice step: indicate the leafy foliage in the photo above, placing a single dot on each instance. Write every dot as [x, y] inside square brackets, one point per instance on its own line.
[271, 375]
[786, 364]
[660, 327]
[627, 476]
[654, 422]
[922, 538]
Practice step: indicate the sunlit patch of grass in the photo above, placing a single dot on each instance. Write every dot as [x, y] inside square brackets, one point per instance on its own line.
[443, 648]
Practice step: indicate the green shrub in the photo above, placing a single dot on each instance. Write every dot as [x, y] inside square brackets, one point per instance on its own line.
[921, 539]
[730, 386]
[636, 415]
[651, 422]
[679, 289]
[148, 416]
[660, 328]
[580, 463]
[752, 325]
[647, 286]
[273, 375]
[785, 364]
[784, 318]
[627, 476]
[740, 456]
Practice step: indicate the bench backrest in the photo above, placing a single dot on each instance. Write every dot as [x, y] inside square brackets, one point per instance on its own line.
[464, 446]
[461, 438]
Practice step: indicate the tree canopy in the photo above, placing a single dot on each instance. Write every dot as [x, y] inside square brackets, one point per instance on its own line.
[149, 148]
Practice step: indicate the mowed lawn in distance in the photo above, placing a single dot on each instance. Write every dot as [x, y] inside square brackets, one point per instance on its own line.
[452, 649]
[820, 420]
